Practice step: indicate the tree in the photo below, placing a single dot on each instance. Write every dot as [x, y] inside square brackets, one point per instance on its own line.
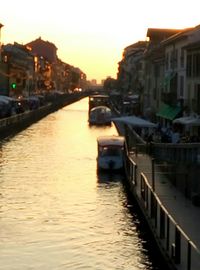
[110, 84]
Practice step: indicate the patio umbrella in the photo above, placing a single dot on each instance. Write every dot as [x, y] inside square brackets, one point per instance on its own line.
[188, 121]
[135, 121]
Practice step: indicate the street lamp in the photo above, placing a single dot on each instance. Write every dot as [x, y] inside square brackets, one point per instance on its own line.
[1, 25]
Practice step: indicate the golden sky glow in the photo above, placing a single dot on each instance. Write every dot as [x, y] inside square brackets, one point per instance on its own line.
[91, 34]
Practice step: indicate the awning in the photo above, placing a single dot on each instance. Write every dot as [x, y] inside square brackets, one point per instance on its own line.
[168, 112]
[134, 121]
[188, 121]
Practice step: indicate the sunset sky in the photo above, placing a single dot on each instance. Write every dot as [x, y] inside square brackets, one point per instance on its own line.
[92, 34]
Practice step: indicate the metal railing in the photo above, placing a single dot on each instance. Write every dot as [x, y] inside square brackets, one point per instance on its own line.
[178, 248]
[187, 153]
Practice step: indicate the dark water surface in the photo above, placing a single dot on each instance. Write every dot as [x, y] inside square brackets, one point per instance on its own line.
[55, 212]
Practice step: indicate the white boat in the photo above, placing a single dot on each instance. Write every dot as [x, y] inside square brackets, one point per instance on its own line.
[110, 152]
[100, 115]
[98, 100]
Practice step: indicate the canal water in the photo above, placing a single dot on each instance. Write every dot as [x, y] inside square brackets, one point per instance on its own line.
[55, 211]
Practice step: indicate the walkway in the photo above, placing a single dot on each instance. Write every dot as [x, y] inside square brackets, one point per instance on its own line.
[181, 209]
[185, 214]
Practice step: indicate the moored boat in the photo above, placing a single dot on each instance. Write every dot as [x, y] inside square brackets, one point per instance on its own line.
[100, 115]
[110, 153]
[98, 100]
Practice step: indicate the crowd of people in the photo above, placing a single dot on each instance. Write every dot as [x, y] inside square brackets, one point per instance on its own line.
[173, 134]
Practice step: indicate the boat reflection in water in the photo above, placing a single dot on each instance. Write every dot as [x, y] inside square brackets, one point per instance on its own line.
[109, 177]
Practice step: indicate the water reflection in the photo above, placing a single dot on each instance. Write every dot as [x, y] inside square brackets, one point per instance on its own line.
[56, 212]
[108, 177]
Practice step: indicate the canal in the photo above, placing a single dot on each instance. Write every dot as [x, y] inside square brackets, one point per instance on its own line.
[55, 212]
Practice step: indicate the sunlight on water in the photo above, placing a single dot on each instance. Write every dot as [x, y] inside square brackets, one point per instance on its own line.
[56, 213]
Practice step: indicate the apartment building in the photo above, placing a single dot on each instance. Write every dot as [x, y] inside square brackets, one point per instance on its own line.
[171, 73]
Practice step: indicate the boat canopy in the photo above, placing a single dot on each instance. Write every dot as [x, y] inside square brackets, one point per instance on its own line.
[111, 141]
[101, 109]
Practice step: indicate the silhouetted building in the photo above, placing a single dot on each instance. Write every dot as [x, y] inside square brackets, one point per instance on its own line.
[45, 49]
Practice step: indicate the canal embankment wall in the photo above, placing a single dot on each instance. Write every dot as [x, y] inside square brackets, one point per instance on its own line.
[15, 123]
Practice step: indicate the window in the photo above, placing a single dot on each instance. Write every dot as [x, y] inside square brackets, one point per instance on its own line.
[167, 61]
[197, 94]
[171, 60]
[182, 58]
[175, 58]
[189, 66]
[5, 58]
[155, 93]
[181, 89]
[156, 71]
[111, 151]
[196, 64]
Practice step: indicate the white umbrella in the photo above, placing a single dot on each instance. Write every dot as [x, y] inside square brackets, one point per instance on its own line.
[134, 121]
[188, 121]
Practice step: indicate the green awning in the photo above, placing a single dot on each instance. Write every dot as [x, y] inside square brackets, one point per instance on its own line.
[168, 112]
